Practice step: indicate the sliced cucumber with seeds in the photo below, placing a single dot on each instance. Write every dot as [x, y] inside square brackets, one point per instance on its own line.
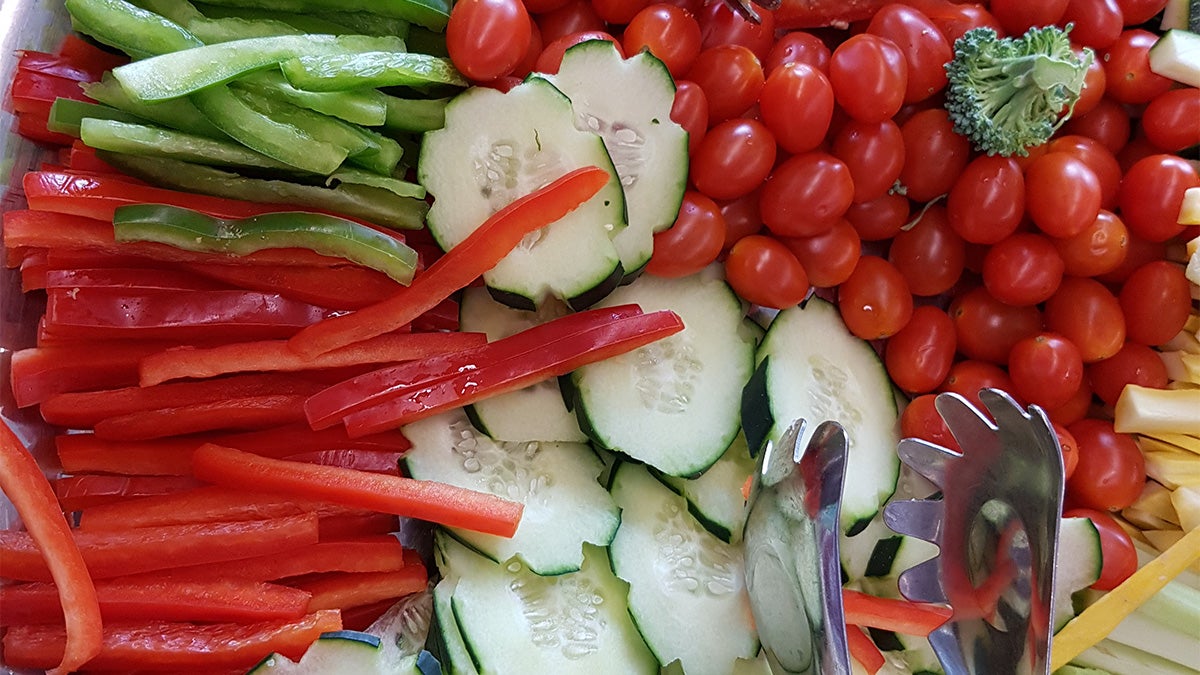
[514, 621]
[455, 658]
[672, 404]
[715, 496]
[565, 505]
[628, 102]
[496, 147]
[687, 589]
[535, 413]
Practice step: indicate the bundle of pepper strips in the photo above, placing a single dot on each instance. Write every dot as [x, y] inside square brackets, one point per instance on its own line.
[222, 511]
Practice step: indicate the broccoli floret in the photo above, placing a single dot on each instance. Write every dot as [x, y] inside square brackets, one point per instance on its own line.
[1008, 94]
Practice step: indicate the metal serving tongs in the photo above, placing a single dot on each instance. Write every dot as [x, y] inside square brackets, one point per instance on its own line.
[793, 571]
[996, 527]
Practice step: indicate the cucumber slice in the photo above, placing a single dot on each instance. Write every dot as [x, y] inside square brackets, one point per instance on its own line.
[565, 505]
[715, 496]
[811, 367]
[1078, 565]
[1183, 14]
[628, 102]
[1177, 55]
[496, 147]
[345, 651]
[687, 589]
[535, 413]
[514, 621]
[672, 404]
[456, 660]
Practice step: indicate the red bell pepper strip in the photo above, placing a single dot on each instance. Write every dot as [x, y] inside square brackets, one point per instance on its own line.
[34, 92]
[57, 66]
[32, 125]
[900, 616]
[361, 617]
[83, 158]
[175, 646]
[476, 254]
[81, 410]
[163, 599]
[331, 405]
[55, 550]
[142, 279]
[84, 491]
[75, 48]
[491, 379]
[243, 412]
[350, 527]
[41, 372]
[291, 439]
[442, 317]
[864, 650]
[87, 453]
[382, 553]
[336, 287]
[274, 355]
[428, 500]
[340, 590]
[147, 549]
[375, 461]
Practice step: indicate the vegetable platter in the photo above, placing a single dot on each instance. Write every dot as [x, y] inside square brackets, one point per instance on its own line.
[399, 337]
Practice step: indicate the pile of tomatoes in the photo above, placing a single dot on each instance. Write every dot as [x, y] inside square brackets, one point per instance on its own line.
[824, 158]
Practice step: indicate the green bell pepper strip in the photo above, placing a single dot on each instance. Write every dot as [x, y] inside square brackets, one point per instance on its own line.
[324, 234]
[278, 140]
[187, 71]
[304, 23]
[357, 201]
[396, 186]
[369, 69]
[367, 107]
[125, 26]
[67, 115]
[212, 31]
[432, 14]
[406, 115]
[142, 139]
[364, 23]
[179, 113]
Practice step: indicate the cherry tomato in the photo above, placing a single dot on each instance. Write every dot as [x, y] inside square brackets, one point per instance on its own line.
[930, 254]
[969, 377]
[733, 159]
[1111, 470]
[1127, 68]
[1170, 119]
[920, 419]
[829, 257]
[1018, 16]
[874, 154]
[1068, 447]
[806, 194]
[1156, 300]
[879, 219]
[671, 33]
[1098, 249]
[1138, 252]
[798, 47]
[543, 6]
[487, 38]
[925, 50]
[1136, 12]
[1151, 193]
[532, 53]
[572, 16]
[796, 104]
[1075, 409]
[875, 301]
[1046, 369]
[552, 55]
[1098, 158]
[1094, 83]
[1133, 364]
[731, 77]
[987, 202]
[869, 77]
[690, 111]
[692, 242]
[1024, 269]
[1119, 555]
[934, 154]
[618, 11]
[742, 218]
[1107, 122]
[1088, 314]
[719, 25]
[953, 19]
[763, 271]
[1096, 23]
[1062, 194]
[918, 357]
[986, 329]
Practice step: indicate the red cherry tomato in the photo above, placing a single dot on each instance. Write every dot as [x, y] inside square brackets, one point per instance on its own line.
[487, 38]
[879, 219]
[1046, 369]
[987, 201]
[874, 154]
[720, 25]
[925, 50]
[692, 242]
[1094, 83]
[918, 357]
[1151, 193]
[1136, 12]
[731, 77]
[1088, 314]
[869, 77]
[1075, 409]
[742, 218]
[796, 104]
[618, 11]
[1069, 448]
[690, 111]
[1107, 122]
[733, 159]
[986, 329]
[1138, 252]
[1111, 471]
[798, 47]
[1062, 194]
[806, 194]
[1096, 23]
[552, 54]
[671, 33]
[1098, 158]
[930, 254]
[572, 16]
[1127, 68]
[954, 18]
[934, 154]
[1098, 249]
[1133, 364]
[829, 257]
[1170, 119]
[920, 419]
[1119, 555]
[969, 377]
[763, 271]
[1018, 16]
[1024, 269]
[875, 301]
[1156, 301]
